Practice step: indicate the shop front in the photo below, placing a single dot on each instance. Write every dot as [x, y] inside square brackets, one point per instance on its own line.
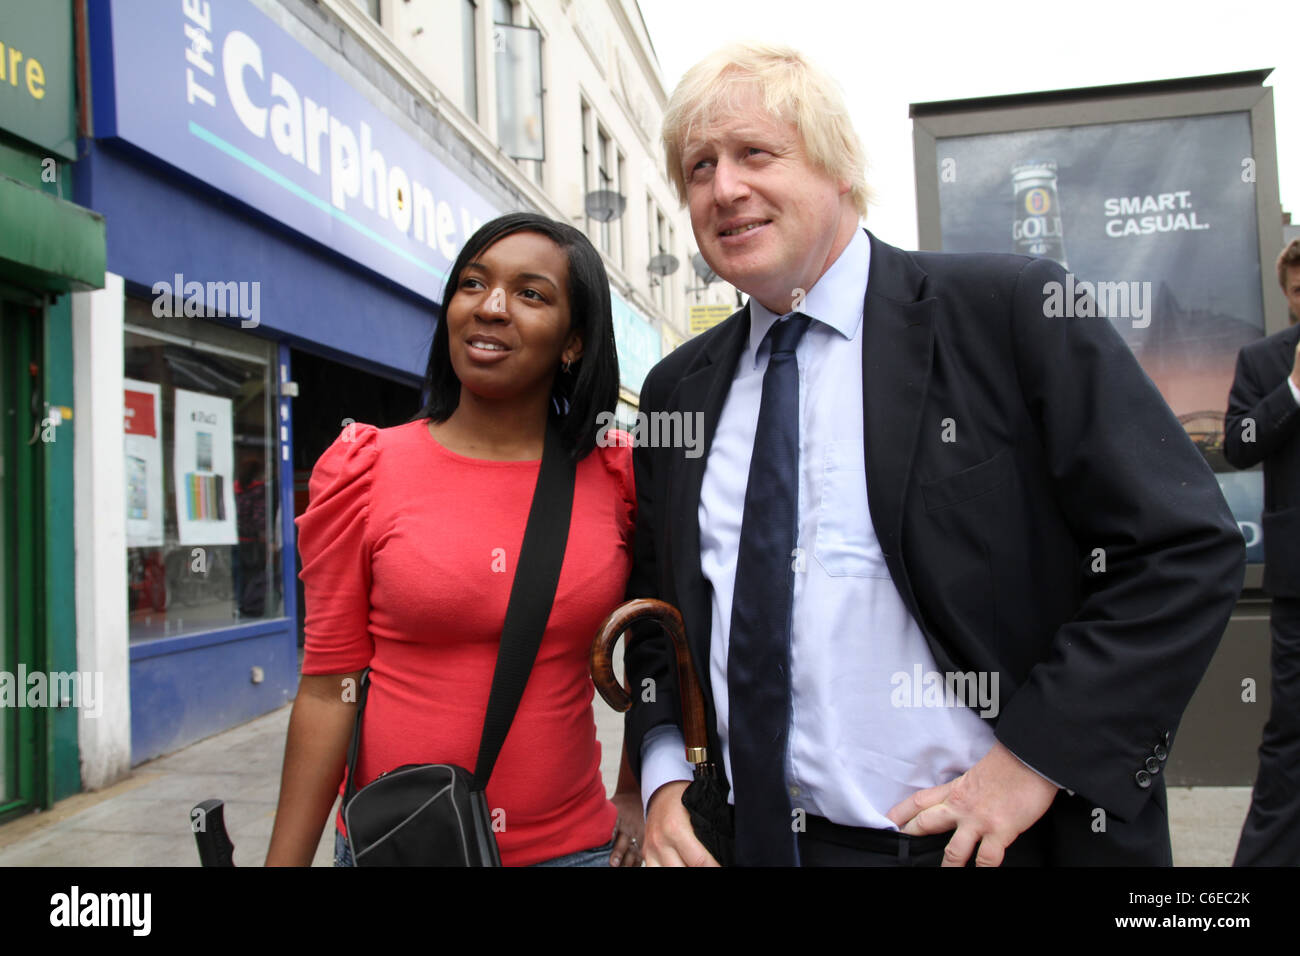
[49, 247]
[282, 230]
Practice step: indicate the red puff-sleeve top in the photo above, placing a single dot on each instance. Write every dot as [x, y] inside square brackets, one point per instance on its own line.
[408, 555]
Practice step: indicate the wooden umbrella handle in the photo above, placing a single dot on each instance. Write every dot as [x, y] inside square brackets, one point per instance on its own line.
[602, 666]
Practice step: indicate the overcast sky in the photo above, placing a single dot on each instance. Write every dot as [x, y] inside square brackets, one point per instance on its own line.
[888, 55]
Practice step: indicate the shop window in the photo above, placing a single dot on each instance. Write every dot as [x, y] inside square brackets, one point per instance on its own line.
[203, 542]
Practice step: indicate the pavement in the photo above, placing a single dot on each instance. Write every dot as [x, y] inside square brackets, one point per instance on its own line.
[144, 819]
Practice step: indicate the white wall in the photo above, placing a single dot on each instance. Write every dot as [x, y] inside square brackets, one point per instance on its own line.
[99, 475]
[436, 48]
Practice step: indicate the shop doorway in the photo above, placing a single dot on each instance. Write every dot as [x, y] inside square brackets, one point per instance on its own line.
[22, 593]
[329, 394]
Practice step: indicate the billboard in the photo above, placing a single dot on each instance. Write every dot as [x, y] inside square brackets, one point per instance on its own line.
[1155, 219]
[705, 317]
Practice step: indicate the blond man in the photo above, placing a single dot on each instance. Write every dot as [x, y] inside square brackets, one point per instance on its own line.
[880, 558]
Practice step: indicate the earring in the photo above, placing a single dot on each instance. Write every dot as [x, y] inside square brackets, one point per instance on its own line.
[568, 363]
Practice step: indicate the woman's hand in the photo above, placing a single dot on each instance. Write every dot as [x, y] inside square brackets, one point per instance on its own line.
[629, 832]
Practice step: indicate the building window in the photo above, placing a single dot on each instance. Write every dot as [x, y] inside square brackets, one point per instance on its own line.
[538, 165]
[469, 57]
[586, 161]
[609, 178]
[371, 7]
[517, 53]
[620, 179]
[203, 548]
[670, 281]
[661, 237]
[604, 180]
[649, 231]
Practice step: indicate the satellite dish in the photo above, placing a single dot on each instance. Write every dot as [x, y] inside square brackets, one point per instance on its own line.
[702, 269]
[664, 264]
[605, 205]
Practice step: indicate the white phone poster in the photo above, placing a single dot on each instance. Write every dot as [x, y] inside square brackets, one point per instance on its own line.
[203, 465]
[142, 436]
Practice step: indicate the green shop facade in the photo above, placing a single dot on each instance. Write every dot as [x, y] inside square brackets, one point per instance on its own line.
[50, 248]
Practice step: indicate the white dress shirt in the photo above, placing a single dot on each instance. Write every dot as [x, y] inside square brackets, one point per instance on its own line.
[852, 753]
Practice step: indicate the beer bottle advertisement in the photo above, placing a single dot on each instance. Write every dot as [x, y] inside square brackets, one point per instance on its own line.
[1155, 225]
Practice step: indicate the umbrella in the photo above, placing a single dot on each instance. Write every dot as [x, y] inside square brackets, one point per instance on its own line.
[706, 797]
[208, 821]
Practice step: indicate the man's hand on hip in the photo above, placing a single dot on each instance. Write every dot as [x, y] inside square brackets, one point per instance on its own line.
[669, 837]
[991, 804]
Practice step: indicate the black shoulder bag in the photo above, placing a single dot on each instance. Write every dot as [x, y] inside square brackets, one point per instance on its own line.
[437, 814]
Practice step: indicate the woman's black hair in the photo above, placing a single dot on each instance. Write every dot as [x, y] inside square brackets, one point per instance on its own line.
[591, 385]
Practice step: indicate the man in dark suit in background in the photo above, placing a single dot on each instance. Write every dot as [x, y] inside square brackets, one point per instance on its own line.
[950, 569]
[1263, 424]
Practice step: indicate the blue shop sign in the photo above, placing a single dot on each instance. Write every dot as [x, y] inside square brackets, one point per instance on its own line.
[639, 346]
[220, 91]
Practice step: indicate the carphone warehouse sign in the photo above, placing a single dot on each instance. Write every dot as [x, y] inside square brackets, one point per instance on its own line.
[219, 90]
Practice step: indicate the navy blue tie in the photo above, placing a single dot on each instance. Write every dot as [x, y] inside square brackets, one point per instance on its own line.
[758, 657]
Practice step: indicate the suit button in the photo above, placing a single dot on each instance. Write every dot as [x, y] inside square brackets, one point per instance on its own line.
[1161, 752]
[1153, 765]
[1143, 779]
[1167, 738]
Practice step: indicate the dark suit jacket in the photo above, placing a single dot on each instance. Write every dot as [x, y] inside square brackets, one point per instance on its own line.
[1063, 446]
[1260, 396]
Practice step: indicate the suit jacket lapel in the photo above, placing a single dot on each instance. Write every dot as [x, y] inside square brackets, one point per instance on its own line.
[703, 390]
[897, 350]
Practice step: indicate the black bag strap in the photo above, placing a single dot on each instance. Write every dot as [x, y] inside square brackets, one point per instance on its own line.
[537, 573]
[355, 746]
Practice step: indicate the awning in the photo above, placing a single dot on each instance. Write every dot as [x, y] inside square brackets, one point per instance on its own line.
[48, 243]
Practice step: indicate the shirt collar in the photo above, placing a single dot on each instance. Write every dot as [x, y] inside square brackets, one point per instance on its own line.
[835, 300]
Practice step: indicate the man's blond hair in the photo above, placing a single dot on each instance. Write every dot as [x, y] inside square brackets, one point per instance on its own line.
[791, 88]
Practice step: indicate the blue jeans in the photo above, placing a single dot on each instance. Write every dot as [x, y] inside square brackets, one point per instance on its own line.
[597, 856]
[342, 852]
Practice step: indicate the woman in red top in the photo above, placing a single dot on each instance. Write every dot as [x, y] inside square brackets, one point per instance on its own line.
[409, 546]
